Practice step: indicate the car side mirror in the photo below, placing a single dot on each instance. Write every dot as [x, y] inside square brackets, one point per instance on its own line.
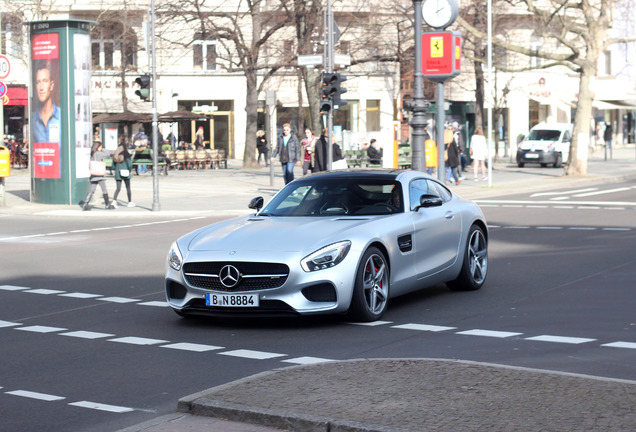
[429, 200]
[256, 203]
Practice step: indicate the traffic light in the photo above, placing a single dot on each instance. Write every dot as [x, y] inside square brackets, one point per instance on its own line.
[143, 82]
[338, 102]
[331, 91]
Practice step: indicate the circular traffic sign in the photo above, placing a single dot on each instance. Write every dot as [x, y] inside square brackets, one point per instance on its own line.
[3, 89]
[5, 67]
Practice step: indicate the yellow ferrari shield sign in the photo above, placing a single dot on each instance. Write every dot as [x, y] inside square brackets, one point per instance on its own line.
[437, 47]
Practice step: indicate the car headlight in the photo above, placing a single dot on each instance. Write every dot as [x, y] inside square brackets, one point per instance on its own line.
[174, 257]
[326, 257]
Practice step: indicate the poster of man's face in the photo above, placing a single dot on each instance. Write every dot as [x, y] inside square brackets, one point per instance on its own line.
[44, 85]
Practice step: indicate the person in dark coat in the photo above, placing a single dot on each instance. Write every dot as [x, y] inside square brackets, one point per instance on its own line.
[261, 146]
[375, 157]
[320, 152]
[452, 161]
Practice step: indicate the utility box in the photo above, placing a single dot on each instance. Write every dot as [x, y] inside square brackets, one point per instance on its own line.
[5, 162]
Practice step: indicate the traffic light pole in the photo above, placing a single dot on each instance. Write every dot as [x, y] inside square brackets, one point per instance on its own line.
[329, 63]
[155, 132]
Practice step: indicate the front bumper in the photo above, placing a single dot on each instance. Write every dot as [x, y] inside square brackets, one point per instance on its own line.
[536, 156]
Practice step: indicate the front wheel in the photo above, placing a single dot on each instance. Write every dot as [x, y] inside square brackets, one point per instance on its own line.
[475, 264]
[371, 290]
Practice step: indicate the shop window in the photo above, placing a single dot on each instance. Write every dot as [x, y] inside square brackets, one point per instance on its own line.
[373, 115]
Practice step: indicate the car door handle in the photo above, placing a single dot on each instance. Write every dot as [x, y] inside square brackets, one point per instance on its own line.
[449, 215]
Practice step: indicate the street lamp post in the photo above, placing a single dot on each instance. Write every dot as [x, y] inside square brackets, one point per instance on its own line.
[419, 106]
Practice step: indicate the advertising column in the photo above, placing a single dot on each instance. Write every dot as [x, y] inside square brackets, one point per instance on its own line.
[60, 122]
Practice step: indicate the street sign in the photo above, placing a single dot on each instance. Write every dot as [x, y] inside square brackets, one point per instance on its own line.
[342, 59]
[5, 100]
[5, 67]
[3, 89]
[309, 60]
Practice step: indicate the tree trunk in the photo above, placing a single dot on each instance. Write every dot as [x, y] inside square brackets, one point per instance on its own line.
[579, 147]
[251, 105]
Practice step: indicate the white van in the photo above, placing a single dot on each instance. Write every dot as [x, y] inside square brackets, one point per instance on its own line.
[547, 143]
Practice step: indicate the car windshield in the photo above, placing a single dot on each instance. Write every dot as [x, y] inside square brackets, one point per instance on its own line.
[337, 196]
[544, 135]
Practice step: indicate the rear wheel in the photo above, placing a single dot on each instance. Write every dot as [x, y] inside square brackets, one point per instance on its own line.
[475, 265]
[558, 161]
[371, 290]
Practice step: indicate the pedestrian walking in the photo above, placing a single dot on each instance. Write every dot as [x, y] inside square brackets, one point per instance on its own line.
[478, 151]
[122, 161]
[288, 152]
[98, 176]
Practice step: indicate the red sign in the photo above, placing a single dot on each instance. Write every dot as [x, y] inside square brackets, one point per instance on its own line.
[46, 160]
[46, 46]
[441, 54]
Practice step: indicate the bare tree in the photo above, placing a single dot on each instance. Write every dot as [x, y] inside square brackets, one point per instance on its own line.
[579, 31]
[244, 29]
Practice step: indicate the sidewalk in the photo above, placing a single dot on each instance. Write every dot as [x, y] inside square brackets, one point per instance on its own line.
[228, 191]
[372, 395]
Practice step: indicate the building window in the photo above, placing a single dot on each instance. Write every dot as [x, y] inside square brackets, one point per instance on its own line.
[113, 47]
[11, 36]
[535, 45]
[204, 53]
[373, 115]
[606, 63]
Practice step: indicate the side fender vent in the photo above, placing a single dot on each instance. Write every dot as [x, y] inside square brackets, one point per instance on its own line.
[405, 243]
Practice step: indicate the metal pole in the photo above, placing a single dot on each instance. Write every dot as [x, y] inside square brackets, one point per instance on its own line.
[329, 51]
[489, 130]
[441, 169]
[155, 134]
[418, 119]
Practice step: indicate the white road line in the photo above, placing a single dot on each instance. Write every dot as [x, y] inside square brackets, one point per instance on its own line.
[80, 295]
[118, 299]
[307, 360]
[582, 228]
[423, 327]
[488, 333]
[249, 354]
[537, 206]
[560, 339]
[9, 324]
[41, 329]
[602, 192]
[12, 288]
[630, 345]
[371, 324]
[101, 407]
[44, 291]
[549, 228]
[35, 395]
[138, 340]
[616, 229]
[154, 303]
[562, 193]
[87, 334]
[192, 347]
[563, 198]
[517, 227]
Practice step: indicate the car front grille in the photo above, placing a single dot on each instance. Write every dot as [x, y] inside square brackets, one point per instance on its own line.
[251, 276]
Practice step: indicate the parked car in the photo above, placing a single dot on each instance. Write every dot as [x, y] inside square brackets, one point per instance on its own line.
[331, 243]
[546, 144]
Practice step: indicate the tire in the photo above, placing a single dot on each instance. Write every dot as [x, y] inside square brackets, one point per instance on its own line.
[543, 165]
[558, 161]
[371, 291]
[475, 265]
[520, 164]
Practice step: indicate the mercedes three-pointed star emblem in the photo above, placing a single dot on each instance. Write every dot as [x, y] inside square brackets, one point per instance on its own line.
[229, 276]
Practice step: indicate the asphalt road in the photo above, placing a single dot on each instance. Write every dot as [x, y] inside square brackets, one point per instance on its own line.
[88, 345]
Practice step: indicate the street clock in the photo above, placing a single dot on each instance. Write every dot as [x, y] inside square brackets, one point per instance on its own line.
[439, 14]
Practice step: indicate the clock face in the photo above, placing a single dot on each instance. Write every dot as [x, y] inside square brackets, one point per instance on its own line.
[439, 13]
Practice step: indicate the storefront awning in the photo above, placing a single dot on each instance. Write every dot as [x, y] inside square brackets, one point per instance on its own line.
[17, 96]
[611, 105]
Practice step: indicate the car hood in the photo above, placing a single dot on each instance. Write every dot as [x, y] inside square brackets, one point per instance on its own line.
[530, 144]
[275, 233]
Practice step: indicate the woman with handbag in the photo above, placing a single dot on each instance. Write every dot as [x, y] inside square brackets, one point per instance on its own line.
[98, 173]
[122, 161]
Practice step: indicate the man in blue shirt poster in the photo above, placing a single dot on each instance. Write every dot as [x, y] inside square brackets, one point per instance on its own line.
[46, 118]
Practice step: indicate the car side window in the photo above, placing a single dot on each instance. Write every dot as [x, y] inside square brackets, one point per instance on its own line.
[419, 187]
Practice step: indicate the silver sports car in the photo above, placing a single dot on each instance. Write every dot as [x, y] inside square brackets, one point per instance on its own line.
[334, 242]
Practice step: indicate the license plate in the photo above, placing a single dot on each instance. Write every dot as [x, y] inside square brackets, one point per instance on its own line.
[231, 300]
[532, 156]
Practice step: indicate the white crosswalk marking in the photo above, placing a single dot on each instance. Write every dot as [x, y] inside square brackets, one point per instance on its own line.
[44, 291]
[306, 360]
[8, 324]
[154, 303]
[192, 347]
[138, 340]
[87, 334]
[488, 333]
[423, 327]
[80, 295]
[256, 355]
[101, 407]
[118, 299]
[41, 329]
[12, 288]
[35, 395]
[560, 339]
[630, 345]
